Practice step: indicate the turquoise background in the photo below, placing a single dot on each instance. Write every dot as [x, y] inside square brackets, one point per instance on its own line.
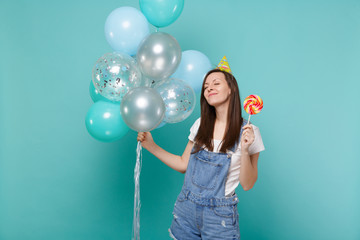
[301, 57]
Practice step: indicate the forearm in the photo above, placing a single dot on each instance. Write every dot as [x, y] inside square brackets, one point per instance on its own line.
[248, 173]
[174, 161]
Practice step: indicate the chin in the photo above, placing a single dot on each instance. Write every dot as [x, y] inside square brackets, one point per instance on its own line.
[214, 104]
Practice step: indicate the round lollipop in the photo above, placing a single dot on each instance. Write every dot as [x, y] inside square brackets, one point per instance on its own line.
[253, 105]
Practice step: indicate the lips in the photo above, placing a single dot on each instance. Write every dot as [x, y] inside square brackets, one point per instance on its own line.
[212, 94]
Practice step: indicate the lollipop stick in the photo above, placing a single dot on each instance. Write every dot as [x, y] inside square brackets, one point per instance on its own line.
[249, 119]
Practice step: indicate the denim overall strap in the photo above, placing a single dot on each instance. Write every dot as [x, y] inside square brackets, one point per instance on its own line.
[206, 176]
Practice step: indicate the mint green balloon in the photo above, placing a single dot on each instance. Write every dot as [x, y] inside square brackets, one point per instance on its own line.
[161, 13]
[104, 122]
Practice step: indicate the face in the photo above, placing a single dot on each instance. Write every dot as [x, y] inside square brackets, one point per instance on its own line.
[216, 89]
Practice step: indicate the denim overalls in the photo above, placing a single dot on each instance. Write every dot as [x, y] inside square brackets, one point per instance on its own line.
[201, 210]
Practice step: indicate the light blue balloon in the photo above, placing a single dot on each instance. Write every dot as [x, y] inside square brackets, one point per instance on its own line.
[104, 123]
[192, 69]
[163, 123]
[95, 95]
[161, 13]
[125, 28]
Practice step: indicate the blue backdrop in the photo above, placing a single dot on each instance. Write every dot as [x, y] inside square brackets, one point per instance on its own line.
[301, 57]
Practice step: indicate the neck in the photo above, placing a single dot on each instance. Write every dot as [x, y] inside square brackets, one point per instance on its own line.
[222, 113]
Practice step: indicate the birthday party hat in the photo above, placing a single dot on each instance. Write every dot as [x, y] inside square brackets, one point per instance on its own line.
[224, 65]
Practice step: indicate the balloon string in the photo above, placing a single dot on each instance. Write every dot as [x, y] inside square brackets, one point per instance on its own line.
[137, 204]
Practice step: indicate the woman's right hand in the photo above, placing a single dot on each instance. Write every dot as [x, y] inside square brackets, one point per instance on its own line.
[146, 139]
[179, 163]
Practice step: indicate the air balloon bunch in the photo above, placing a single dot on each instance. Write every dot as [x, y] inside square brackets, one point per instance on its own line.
[147, 81]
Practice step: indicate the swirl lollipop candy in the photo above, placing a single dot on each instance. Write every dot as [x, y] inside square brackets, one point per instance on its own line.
[253, 105]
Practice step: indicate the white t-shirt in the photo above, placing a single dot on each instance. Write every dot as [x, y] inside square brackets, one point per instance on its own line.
[232, 180]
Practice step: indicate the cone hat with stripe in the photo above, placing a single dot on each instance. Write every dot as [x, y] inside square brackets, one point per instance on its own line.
[224, 65]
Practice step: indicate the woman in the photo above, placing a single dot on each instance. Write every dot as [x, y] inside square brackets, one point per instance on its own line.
[206, 207]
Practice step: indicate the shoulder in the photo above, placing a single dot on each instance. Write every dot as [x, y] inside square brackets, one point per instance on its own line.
[196, 125]
[257, 145]
[194, 129]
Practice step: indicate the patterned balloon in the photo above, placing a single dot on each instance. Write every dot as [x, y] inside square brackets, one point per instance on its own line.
[95, 94]
[253, 104]
[114, 74]
[179, 99]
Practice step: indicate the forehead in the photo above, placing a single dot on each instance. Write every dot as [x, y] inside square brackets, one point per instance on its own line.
[213, 76]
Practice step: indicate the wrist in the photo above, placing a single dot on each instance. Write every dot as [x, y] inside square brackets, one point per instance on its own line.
[152, 147]
[244, 152]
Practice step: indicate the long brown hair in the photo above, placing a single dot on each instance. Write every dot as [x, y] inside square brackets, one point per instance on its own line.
[205, 133]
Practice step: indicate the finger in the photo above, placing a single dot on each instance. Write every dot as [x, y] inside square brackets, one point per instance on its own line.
[248, 128]
[141, 137]
[246, 133]
[249, 133]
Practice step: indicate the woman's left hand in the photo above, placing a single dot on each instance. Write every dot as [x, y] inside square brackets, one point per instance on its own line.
[247, 137]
